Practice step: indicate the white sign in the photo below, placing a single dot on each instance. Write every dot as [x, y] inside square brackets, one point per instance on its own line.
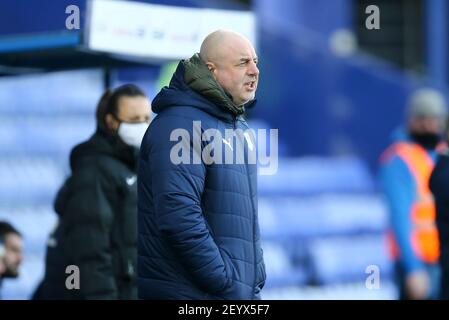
[157, 31]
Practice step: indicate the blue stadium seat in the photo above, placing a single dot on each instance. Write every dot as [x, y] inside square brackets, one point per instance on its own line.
[27, 181]
[311, 175]
[321, 215]
[280, 269]
[50, 136]
[56, 93]
[346, 258]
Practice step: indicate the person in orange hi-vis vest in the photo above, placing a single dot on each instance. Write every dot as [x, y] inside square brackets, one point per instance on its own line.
[405, 169]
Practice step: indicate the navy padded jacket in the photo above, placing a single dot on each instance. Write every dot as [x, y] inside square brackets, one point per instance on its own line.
[198, 231]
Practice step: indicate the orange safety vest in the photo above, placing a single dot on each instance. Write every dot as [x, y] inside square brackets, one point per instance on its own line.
[424, 238]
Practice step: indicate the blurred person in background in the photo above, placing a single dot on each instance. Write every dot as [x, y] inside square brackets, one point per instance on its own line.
[97, 206]
[10, 251]
[439, 185]
[198, 226]
[405, 171]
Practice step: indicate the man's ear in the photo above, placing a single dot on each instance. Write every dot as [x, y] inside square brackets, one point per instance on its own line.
[210, 66]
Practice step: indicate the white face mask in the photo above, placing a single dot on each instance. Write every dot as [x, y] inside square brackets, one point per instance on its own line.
[132, 133]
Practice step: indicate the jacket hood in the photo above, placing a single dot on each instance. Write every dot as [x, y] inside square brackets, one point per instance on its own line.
[193, 85]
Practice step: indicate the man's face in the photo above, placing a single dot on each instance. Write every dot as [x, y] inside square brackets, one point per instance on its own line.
[236, 70]
[13, 255]
[426, 125]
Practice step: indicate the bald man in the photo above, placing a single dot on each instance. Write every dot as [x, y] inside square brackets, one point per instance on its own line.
[198, 235]
[233, 63]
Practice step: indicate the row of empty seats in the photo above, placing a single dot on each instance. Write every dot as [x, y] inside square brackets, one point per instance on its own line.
[30, 180]
[323, 224]
[59, 93]
[42, 117]
[43, 135]
[317, 175]
[321, 215]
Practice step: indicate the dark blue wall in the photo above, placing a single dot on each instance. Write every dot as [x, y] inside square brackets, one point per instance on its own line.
[30, 16]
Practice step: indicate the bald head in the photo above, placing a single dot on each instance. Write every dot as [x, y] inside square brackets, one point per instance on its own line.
[232, 60]
[218, 44]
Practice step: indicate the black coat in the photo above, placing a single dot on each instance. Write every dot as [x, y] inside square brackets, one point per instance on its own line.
[97, 230]
[439, 185]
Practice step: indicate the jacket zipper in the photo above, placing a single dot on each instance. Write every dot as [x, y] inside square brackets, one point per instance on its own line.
[253, 223]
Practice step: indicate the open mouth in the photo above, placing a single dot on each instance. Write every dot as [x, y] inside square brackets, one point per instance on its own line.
[251, 85]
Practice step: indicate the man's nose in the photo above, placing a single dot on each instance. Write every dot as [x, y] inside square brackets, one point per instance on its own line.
[253, 70]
